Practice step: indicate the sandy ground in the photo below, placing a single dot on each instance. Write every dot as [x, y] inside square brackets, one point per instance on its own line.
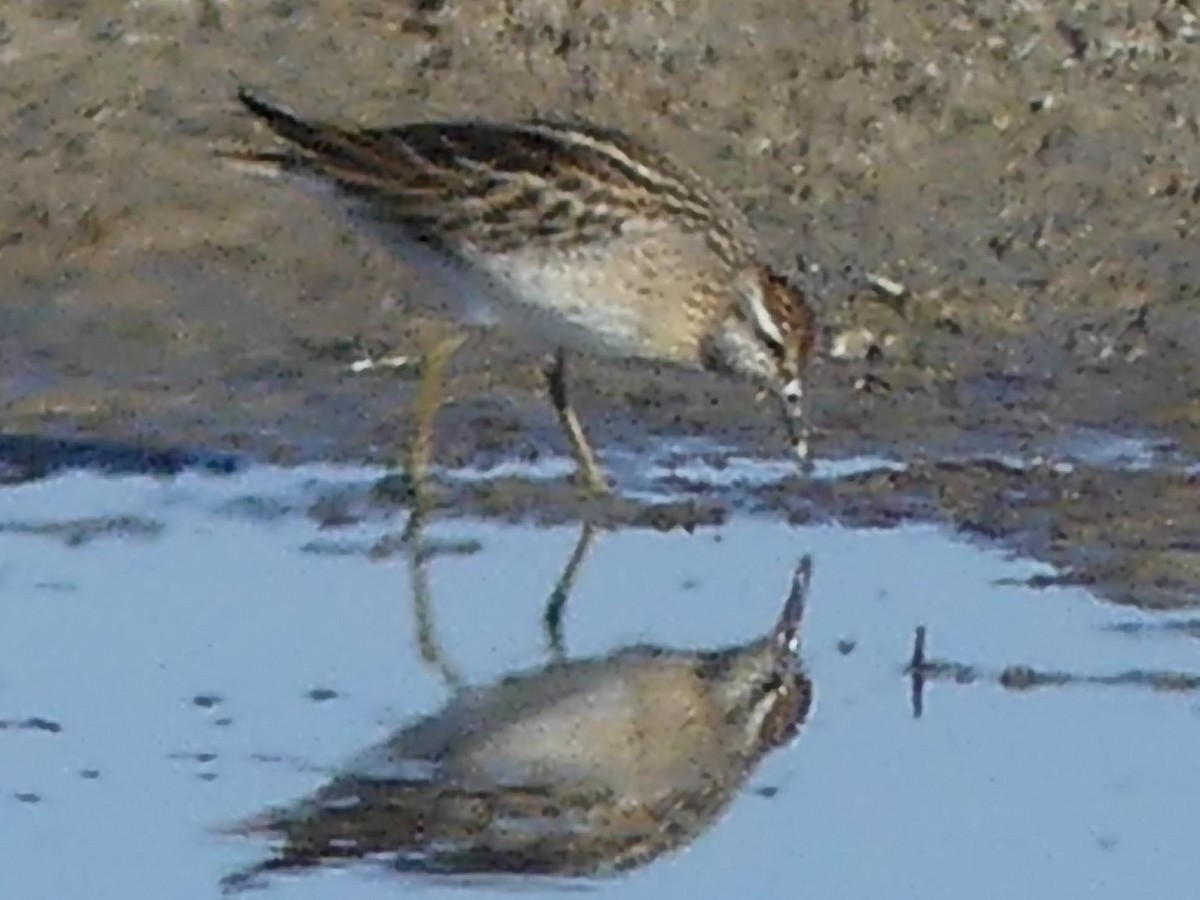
[1027, 171]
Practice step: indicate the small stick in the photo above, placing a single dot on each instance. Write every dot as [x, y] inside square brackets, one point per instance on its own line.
[918, 655]
[916, 670]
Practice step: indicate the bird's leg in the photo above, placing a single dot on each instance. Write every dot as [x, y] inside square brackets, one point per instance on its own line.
[795, 413]
[429, 399]
[588, 473]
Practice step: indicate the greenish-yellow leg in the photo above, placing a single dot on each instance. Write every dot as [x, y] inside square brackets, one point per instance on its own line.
[589, 473]
[430, 390]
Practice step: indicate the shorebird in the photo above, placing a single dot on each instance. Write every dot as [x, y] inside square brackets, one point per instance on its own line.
[572, 234]
[581, 767]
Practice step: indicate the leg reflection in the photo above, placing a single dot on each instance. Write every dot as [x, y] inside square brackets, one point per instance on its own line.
[421, 552]
[562, 590]
[432, 653]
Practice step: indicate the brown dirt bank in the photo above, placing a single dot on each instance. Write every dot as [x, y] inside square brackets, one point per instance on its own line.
[1029, 173]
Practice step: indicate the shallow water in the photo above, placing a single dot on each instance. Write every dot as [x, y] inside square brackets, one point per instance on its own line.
[211, 657]
[707, 462]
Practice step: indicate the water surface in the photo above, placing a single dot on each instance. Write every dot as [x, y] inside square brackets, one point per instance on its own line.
[200, 658]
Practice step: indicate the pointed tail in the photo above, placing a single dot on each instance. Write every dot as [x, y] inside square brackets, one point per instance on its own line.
[283, 123]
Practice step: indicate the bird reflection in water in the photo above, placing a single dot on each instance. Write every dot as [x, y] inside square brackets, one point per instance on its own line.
[582, 767]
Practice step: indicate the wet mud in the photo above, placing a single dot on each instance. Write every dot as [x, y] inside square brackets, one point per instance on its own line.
[994, 207]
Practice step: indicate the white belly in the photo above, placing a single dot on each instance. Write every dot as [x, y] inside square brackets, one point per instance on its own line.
[574, 303]
[569, 304]
[581, 300]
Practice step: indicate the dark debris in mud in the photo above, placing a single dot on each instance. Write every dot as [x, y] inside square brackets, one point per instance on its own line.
[34, 723]
[80, 532]
[1020, 677]
[513, 500]
[57, 587]
[1129, 536]
[199, 756]
[509, 499]
[1185, 626]
[29, 457]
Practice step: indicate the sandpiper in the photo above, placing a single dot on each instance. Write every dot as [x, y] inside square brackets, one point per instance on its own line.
[572, 234]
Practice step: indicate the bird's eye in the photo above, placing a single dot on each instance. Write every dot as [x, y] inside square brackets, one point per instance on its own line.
[771, 684]
[793, 392]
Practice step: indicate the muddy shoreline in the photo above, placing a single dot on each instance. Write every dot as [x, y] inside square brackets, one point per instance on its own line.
[152, 299]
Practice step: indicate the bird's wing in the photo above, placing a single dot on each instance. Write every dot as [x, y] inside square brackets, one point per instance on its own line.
[498, 182]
